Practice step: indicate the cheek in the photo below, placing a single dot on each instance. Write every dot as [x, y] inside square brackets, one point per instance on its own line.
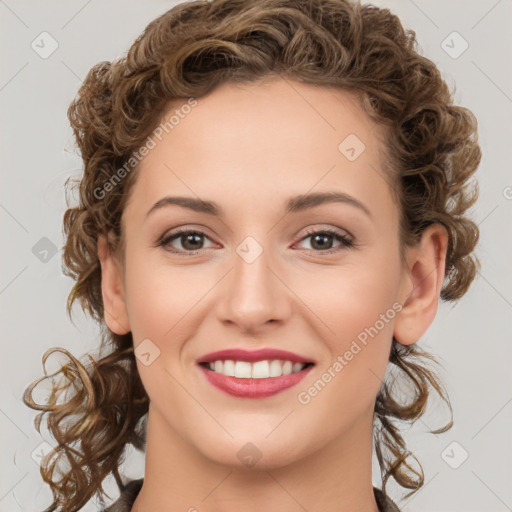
[160, 303]
[159, 296]
[360, 314]
[351, 297]
[358, 303]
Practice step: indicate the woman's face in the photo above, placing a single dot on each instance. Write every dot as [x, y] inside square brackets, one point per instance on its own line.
[256, 276]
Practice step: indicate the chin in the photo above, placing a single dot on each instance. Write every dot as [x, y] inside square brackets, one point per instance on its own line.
[253, 452]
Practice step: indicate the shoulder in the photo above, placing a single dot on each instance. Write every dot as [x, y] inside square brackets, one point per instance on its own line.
[127, 497]
[384, 502]
[131, 490]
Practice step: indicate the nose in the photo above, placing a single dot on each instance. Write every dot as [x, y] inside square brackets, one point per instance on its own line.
[253, 294]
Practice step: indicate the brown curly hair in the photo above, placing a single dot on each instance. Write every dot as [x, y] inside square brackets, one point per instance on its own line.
[432, 152]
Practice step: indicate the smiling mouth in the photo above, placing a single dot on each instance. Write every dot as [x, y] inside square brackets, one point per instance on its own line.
[266, 369]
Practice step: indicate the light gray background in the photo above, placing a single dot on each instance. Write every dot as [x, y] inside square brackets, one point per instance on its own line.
[472, 339]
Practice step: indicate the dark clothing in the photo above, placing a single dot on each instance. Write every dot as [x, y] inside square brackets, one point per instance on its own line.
[125, 501]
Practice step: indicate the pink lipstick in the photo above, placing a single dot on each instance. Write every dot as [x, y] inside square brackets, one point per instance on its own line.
[254, 374]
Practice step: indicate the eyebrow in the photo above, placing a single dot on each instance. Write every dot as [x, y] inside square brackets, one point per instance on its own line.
[294, 204]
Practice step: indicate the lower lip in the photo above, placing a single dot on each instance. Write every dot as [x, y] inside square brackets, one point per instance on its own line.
[254, 388]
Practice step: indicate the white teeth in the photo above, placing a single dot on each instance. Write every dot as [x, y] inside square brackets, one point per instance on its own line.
[260, 370]
[242, 369]
[287, 367]
[276, 368]
[256, 370]
[229, 368]
[297, 367]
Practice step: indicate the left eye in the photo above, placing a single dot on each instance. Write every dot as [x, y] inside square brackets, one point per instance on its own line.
[321, 241]
[190, 240]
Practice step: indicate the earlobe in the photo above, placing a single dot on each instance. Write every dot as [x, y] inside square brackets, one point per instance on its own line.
[112, 289]
[422, 285]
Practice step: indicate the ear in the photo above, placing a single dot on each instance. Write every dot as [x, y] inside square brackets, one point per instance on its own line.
[112, 289]
[421, 286]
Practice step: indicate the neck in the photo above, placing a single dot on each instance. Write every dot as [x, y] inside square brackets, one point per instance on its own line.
[179, 478]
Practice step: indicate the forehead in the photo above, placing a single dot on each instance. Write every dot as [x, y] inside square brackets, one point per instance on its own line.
[257, 144]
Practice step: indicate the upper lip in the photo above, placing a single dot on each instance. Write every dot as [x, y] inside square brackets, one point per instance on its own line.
[263, 354]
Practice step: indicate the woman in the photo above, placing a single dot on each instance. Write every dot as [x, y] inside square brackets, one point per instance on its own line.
[274, 199]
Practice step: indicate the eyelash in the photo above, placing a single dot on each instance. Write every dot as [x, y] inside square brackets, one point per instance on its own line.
[346, 242]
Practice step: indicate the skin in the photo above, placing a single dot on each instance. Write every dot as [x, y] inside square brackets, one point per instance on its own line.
[249, 148]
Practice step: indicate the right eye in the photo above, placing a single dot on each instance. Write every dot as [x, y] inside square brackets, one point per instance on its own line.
[190, 241]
